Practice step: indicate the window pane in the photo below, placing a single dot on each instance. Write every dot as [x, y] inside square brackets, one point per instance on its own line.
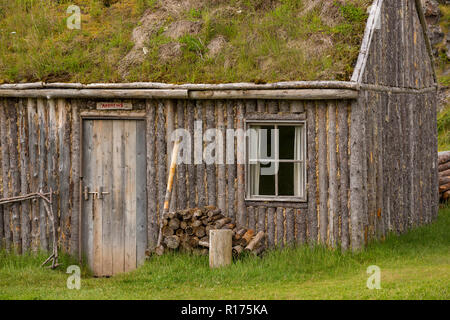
[287, 142]
[267, 180]
[286, 179]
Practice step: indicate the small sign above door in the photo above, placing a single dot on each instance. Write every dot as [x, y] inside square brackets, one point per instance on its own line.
[114, 106]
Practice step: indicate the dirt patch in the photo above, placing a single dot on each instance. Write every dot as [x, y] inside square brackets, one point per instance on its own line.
[148, 25]
[170, 51]
[216, 46]
[180, 28]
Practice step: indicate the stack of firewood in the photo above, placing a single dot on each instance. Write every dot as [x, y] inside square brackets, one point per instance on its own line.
[188, 230]
[444, 175]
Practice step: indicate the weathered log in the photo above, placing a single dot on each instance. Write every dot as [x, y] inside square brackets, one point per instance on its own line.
[240, 153]
[24, 188]
[189, 230]
[255, 241]
[211, 167]
[75, 162]
[174, 223]
[221, 222]
[323, 172]
[443, 157]
[444, 166]
[221, 157]
[5, 173]
[312, 182]
[199, 231]
[161, 156]
[159, 250]
[290, 226]
[167, 231]
[220, 250]
[190, 109]
[271, 226]
[229, 226]
[196, 223]
[247, 237]
[258, 251]
[172, 242]
[280, 227]
[203, 244]
[14, 174]
[237, 250]
[181, 167]
[444, 187]
[152, 195]
[444, 180]
[231, 168]
[198, 156]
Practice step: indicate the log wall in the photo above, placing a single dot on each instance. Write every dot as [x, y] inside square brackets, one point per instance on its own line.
[369, 168]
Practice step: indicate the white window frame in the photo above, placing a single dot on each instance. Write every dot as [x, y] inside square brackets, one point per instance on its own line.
[303, 184]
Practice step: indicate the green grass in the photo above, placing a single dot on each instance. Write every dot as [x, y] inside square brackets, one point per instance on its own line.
[267, 41]
[415, 265]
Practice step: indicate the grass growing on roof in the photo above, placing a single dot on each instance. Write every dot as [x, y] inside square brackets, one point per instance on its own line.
[266, 41]
[415, 265]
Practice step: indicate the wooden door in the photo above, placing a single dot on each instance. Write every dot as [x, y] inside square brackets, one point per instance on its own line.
[114, 220]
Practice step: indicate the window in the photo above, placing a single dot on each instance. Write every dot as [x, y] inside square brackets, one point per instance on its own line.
[276, 154]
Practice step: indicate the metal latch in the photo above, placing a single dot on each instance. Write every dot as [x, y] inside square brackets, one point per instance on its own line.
[99, 194]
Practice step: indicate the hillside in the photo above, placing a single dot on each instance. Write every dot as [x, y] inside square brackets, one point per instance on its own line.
[180, 41]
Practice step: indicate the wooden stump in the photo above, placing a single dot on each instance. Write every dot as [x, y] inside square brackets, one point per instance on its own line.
[220, 248]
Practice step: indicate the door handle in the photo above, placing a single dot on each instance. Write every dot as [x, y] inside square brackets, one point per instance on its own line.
[100, 193]
[87, 193]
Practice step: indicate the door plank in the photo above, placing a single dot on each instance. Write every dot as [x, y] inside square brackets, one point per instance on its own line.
[130, 195]
[87, 222]
[98, 205]
[118, 230]
[107, 156]
[141, 192]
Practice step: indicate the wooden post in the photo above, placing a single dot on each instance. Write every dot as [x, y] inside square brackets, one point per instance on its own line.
[221, 157]
[211, 167]
[24, 169]
[191, 166]
[271, 226]
[231, 168]
[41, 174]
[241, 209]
[161, 152]
[333, 176]
[5, 173]
[171, 112]
[14, 172]
[64, 173]
[280, 227]
[344, 174]
[152, 199]
[181, 167]
[167, 199]
[200, 165]
[323, 172]
[220, 248]
[312, 176]
[75, 218]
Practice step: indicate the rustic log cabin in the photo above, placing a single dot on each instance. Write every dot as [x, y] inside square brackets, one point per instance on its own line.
[355, 160]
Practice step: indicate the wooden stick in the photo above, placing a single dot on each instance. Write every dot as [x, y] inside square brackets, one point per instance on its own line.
[173, 164]
[255, 241]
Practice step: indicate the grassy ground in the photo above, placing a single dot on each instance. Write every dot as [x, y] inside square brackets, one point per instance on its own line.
[415, 265]
[267, 40]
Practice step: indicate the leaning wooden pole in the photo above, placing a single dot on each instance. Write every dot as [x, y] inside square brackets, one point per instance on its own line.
[173, 165]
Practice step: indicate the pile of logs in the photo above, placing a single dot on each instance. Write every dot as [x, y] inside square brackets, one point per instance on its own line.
[444, 175]
[188, 230]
